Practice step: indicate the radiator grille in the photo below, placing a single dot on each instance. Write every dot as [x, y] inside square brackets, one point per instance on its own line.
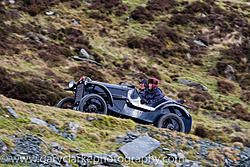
[79, 93]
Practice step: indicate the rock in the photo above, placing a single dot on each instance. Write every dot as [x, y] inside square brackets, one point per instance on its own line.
[38, 121]
[72, 126]
[53, 128]
[192, 84]
[91, 119]
[13, 113]
[153, 162]
[165, 149]
[140, 147]
[85, 59]
[49, 13]
[3, 147]
[75, 22]
[229, 72]
[189, 56]
[133, 135]
[12, 1]
[83, 53]
[55, 145]
[203, 15]
[200, 43]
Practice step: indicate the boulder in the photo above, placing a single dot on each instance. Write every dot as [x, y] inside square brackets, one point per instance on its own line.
[139, 148]
[13, 113]
[200, 43]
[192, 84]
[49, 13]
[75, 22]
[83, 53]
[38, 121]
[12, 1]
[229, 72]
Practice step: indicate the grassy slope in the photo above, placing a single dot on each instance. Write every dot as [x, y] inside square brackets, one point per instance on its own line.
[111, 48]
[93, 136]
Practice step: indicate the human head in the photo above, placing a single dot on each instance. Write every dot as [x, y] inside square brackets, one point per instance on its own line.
[153, 83]
[144, 83]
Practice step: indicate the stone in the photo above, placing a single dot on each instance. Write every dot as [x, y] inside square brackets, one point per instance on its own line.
[75, 22]
[192, 84]
[153, 162]
[72, 126]
[38, 121]
[91, 119]
[53, 128]
[139, 148]
[133, 135]
[85, 59]
[12, 1]
[189, 56]
[55, 145]
[3, 147]
[49, 13]
[83, 53]
[13, 113]
[203, 15]
[200, 43]
[165, 149]
[229, 72]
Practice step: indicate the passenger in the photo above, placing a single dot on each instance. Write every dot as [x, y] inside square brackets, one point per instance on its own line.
[153, 93]
[143, 86]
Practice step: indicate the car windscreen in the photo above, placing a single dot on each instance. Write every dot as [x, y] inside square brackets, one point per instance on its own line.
[134, 94]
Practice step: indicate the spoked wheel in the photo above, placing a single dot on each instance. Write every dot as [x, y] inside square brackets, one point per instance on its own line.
[66, 103]
[93, 103]
[172, 122]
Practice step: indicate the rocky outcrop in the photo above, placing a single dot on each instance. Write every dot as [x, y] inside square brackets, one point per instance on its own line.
[192, 84]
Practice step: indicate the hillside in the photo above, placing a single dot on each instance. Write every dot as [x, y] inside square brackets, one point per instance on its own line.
[41, 131]
[202, 41]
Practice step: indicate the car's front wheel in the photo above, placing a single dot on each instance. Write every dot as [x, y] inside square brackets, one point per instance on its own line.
[66, 103]
[172, 122]
[93, 103]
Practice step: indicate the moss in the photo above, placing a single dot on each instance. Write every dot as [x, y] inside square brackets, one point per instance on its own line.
[23, 120]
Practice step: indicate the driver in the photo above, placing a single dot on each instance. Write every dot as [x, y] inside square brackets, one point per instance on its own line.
[153, 93]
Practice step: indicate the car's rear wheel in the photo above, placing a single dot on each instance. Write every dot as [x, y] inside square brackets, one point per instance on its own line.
[172, 122]
[66, 103]
[93, 103]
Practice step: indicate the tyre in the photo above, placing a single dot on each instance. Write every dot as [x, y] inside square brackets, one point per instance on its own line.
[93, 103]
[172, 122]
[66, 103]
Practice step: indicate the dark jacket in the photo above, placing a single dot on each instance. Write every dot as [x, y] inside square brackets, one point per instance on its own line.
[152, 96]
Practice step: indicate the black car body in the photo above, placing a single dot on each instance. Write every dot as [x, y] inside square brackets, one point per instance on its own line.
[104, 98]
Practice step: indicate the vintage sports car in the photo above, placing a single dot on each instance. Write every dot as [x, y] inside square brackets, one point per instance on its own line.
[124, 100]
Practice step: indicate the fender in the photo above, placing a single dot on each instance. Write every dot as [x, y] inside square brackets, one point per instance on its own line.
[181, 109]
[108, 93]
